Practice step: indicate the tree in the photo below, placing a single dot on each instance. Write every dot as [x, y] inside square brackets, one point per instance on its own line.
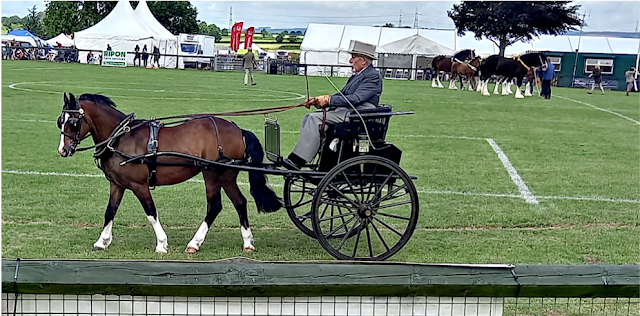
[293, 38]
[280, 37]
[224, 32]
[33, 23]
[176, 16]
[210, 29]
[508, 22]
[265, 33]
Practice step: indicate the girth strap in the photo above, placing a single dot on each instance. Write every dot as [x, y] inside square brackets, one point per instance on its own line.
[152, 148]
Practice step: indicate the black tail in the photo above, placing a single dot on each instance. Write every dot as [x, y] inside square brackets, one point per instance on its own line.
[266, 200]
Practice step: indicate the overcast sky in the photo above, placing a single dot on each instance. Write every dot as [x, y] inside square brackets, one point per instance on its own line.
[621, 16]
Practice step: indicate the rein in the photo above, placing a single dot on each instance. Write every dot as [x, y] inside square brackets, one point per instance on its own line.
[124, 127]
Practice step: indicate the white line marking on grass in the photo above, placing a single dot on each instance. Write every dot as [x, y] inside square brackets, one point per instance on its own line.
[41, 68]
[420, 190]
[601, 109]
[524, 190]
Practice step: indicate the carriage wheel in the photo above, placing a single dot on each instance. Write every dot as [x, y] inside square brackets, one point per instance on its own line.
[298, 197]
[371, 203]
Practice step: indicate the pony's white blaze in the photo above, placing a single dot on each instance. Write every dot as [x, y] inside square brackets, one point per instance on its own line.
[105, 238]
[161, 236]
[198, 238]
[247, 238]
[66, 117]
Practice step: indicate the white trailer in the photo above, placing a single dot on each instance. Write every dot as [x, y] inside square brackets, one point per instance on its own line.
[196, 51]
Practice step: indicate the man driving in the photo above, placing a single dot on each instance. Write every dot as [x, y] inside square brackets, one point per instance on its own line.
[362, 91]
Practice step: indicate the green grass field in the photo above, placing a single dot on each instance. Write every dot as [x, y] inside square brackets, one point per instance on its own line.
[577, 154]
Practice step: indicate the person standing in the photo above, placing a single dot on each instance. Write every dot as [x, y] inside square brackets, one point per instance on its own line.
[156, 56]
[597, 79]
[137, 56]
[249, 62]
[629, 77]
[145, 55]
[108, 47]
[362, 91]
[547, 72]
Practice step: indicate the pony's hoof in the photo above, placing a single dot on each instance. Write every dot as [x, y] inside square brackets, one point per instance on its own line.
[191, 250]
[98, 248]
[249, 249]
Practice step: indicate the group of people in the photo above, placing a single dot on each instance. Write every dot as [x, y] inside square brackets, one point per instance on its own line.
[144, 55]
[629, 77]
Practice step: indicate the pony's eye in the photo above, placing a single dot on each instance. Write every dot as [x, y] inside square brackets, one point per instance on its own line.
[73, 125]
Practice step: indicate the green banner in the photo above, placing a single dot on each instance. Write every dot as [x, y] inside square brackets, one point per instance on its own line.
[114, 58]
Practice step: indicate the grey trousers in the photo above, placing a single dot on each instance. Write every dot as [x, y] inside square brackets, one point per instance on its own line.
[309, 142]
[248, 72]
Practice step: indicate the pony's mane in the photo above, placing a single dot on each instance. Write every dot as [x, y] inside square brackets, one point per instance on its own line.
[98, 98]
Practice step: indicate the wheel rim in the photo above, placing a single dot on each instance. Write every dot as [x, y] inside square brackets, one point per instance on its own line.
[298, 196]
[366, 208]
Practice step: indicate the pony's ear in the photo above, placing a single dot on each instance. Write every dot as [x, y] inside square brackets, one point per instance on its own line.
[72, 101]
[66, 100]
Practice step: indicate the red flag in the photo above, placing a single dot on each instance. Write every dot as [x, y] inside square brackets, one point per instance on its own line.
[236, 32]
[248, 37]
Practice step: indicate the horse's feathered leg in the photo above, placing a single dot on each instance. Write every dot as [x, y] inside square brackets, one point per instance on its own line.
[214, 207]
[240, 204]
[115, 197]
[496, 89]
[518, 92]
[143, 194]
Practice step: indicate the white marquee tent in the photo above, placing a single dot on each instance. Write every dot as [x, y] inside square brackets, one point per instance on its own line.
[327, 44]
[125, 28]
[62, 38]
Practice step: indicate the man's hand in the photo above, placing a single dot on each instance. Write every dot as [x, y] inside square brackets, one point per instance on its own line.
[321, 101]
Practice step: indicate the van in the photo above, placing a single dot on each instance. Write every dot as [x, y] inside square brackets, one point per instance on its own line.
[196, 51]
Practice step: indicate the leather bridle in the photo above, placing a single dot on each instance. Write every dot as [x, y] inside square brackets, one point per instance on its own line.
[76, 125]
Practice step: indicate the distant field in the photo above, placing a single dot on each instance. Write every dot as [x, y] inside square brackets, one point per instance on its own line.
[480, 162]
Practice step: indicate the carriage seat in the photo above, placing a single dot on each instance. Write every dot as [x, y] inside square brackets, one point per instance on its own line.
[376, 121]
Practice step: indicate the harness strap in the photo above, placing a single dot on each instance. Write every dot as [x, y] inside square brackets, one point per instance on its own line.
[152, 149]
[221, 155]
[520, 60]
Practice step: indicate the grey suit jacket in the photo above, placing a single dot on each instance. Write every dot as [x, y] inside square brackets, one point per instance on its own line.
[361, 88]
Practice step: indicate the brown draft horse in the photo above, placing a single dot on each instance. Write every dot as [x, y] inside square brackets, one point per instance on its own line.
[444, 63]
[118, 136]
[460, 70]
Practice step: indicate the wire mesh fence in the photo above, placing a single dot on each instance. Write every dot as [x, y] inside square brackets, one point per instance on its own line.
[64, 304]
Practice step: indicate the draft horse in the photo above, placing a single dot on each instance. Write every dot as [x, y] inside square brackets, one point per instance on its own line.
[118, 137]
[466, 70]
[444, 63]
[515, 67]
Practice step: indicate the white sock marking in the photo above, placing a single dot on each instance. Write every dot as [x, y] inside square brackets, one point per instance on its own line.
[247, 238]
[161, 236]
[524, 190]
[198, 238]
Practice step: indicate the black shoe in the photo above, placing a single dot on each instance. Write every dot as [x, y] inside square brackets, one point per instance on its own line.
[290, 165]
[253, 84]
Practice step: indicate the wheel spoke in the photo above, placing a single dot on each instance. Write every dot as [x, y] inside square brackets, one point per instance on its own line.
[342, 194]
[332, 217]
[373, 176]
[393, 204]
[380, 236]
[391, 194]
[339, 227]
[351, 187]
[369, 242]
[355, 247]
[333, 203]
[388, 226]
[379, 190]
[346, 236]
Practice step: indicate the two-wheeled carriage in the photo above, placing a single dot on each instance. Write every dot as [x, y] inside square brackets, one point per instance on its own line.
[354, 199]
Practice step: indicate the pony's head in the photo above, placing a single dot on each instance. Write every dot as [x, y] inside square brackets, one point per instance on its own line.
[70, 124]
